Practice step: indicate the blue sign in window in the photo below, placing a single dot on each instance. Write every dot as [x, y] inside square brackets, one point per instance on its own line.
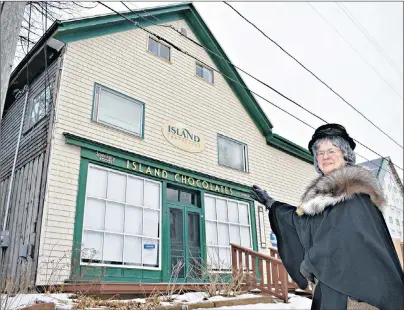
[149, 246]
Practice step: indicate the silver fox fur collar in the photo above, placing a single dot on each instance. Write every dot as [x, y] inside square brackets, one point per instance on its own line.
[340, 185]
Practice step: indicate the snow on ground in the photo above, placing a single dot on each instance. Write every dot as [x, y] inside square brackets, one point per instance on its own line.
[62, 301]
[22, 300]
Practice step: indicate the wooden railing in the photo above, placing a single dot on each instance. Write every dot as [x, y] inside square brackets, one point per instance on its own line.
[260, 271]
[292, 285]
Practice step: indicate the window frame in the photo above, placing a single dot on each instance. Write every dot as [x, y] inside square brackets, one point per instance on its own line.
[197, 63]
[228, 223]
[96, 104]
[245, 154]
[159, 42]
[160, 237]
[28, 126]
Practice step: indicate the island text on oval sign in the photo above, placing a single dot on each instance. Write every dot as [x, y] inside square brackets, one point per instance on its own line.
[183, 137]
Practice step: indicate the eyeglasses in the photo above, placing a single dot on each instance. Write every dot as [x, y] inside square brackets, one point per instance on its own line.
[330, 152]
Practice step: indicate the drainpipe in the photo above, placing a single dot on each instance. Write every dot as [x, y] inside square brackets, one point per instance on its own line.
[3, 235]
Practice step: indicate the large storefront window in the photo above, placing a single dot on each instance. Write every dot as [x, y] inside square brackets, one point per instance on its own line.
[122, 219]
[227, 221]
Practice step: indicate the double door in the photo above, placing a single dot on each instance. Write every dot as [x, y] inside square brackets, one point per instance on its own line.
[185, 243]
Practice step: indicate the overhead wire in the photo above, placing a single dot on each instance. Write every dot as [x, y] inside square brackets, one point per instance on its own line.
[370, 38]
[256, 79]
[314, 75]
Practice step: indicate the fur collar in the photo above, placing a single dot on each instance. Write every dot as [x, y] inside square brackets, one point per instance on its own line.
[340, 185]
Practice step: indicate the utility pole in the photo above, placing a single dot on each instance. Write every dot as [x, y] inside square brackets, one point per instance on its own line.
[11, 16]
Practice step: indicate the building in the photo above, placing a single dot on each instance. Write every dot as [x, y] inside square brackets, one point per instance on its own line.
[386, 173]
[136, 157]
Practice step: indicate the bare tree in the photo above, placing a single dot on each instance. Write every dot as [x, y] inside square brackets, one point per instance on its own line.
[39, 15]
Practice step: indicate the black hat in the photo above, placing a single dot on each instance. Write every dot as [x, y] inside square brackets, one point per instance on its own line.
[329, 130]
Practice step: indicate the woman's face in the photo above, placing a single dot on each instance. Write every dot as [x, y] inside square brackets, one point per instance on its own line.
[329, 157]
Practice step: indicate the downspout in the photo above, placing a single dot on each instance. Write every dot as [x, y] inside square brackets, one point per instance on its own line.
[10, 187]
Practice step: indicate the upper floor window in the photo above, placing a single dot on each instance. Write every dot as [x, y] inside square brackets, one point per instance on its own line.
[38, 107]
[204, 73]
[118, 110]
[159, 49]
[232, 153]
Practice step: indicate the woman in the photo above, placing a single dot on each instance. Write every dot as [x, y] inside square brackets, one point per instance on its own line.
[337, 238]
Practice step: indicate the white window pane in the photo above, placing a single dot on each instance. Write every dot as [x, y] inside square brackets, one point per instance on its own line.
[116, 187]
[224, 258]
[221, 209]
[133, 251]
[151, 223]
[150, 252]
[231, 153]
[164, 51]
[133, 220]
[134, 191]
[114, 218]
[223, 234]
[235, 234]
[153, 46]
[245, 237]
[119, 111]
[92, 245]
[97, 183]
[212, 256]
[113, 245]
[207, 75]
[211, 233]
[94, 214]
[199, 70]
[243, 213]
[210, 210]
[152, 195]
[232, 211]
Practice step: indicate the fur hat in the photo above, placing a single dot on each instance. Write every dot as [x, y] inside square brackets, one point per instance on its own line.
[329, 130]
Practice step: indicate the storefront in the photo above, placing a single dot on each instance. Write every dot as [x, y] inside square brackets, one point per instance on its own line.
[142, 220]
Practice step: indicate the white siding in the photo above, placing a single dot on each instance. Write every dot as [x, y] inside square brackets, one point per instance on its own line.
[170, 91]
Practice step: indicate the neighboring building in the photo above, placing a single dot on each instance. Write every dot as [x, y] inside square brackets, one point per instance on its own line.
[143, 157]
[386, 173]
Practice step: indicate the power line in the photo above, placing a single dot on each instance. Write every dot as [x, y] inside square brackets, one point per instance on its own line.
[370, 38]
[308, 70]
[137, 24]
[355, 50]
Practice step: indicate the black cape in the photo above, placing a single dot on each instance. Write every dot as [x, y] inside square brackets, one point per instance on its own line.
[349, 250]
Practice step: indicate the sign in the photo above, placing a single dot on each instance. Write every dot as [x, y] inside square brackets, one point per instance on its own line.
[149, 246]
[183, 137]
[180, 178]
[105, 158]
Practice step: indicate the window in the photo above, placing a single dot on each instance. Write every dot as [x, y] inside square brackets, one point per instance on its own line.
[232, 154]
[159, 49]
[122, 220]
[184, 31]
[38, 107]
[227, 221]
[204, 73]
[180, 195]
[118, 111]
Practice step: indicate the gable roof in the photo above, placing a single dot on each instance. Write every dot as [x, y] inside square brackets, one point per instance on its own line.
[79, 29]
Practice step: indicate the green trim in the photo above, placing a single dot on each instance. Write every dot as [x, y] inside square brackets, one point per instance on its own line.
[289, 147]
[78, 226]
[121, 94]
[122, 156]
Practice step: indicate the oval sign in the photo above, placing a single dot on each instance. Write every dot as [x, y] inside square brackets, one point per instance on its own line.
[183, 137]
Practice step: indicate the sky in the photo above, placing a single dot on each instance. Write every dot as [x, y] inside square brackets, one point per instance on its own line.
[324, 39]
